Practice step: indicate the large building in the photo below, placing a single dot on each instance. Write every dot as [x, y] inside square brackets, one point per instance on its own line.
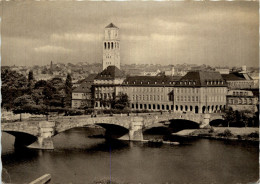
[105, 86]
[111, 47]
[82, 95]
[200, 92]
[242, 100]
[239, 80]
[154, 93]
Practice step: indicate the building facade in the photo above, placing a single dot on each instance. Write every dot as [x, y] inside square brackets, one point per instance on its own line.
[111, 47]
[82, 96]
[239, 80]
[200, 92]
[153, 93]
[242, 100]
[105, 86]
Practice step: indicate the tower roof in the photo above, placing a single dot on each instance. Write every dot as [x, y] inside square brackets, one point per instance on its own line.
[111, 25]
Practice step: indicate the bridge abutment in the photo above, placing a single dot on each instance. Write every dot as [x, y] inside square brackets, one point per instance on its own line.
[136, 129]
[44, 139]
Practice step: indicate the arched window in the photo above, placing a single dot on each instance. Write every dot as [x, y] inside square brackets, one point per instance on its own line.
[105, 45]
[108, 45]
[112, 45]
[176, 107]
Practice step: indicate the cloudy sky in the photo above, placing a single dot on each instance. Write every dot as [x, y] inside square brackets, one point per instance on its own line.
[214, 33]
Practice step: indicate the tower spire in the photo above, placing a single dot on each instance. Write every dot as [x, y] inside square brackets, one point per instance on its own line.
[111, 47]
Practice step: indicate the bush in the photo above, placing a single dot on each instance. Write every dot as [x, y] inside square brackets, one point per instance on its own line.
[74, 112]
[226, 133]
[211, 130]
[254, 135]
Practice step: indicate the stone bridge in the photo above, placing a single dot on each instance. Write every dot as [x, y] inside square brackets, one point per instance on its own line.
[38, 134]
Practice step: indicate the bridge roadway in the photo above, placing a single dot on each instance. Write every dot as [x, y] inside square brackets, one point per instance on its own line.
[38, 134]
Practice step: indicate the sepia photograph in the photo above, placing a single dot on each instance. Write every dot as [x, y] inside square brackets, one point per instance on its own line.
[129, 92]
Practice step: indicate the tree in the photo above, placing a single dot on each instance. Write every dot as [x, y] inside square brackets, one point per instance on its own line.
[68, 90]
[229, 116]
[13, 86]
[121, 101]
[30, 76]
[23, 104]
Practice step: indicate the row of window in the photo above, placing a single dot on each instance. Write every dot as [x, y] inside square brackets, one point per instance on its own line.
[245, 101]
[241, 93]
[196, 98]
[148, 89]
[151, 97]
[196, 90]
[111, 45]
[188, 90]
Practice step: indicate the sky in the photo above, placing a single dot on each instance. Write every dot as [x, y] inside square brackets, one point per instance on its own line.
[170, 32]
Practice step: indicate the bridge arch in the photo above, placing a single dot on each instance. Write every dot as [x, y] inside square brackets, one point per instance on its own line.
[180, 124]
[22, 139]
[218, 122]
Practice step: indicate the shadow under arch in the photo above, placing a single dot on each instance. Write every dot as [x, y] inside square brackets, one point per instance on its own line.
[218, 122]
[181, 124]
[22, 139]
[113, 131]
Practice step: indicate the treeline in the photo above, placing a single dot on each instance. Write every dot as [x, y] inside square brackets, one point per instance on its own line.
[240, 118]
[26, 95]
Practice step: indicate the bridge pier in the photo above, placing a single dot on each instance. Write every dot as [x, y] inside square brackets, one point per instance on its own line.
[136, 129]
[44, 140]
[205, 120]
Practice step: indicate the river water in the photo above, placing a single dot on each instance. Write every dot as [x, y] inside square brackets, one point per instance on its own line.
[80, 159]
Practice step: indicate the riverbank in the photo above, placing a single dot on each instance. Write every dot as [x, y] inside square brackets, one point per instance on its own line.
[226, 133]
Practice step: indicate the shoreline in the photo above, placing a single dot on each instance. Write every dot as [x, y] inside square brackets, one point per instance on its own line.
[222, 133]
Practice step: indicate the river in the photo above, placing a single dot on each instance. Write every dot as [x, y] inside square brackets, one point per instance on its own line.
[80, 159]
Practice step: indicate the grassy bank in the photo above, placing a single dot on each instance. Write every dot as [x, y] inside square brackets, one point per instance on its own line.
[231, 133]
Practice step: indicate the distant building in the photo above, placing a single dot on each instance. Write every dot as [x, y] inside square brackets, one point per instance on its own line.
[222, 70]
[82, 96]
[151, 73]
[200, 92]
[111, 47]
[242, 100]
[238, 80]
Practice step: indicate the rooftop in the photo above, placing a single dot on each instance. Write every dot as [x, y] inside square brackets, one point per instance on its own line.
[151, 80]
[201, 78]
[83, 88]
[236, 76]
[111, 72]
[111, 25]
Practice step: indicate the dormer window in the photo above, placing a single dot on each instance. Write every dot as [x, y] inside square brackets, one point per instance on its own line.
[147, 82]
[155, 82]
[134, 82]
[162, 82]
[141, 82]
[194, 83]
[170, 82]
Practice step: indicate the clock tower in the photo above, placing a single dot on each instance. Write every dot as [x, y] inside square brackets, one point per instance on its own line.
[111, 47]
